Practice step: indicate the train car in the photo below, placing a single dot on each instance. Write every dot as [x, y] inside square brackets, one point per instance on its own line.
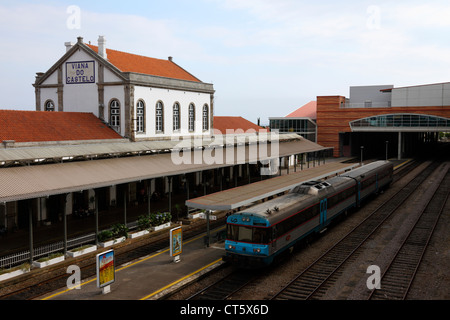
[257, 235]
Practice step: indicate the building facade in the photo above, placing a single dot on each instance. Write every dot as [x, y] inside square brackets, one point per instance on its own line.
[301, 121]
[141, 98]
[383, 119]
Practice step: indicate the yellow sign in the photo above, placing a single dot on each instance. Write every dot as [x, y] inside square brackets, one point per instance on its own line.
[176, 241]
[105, 268]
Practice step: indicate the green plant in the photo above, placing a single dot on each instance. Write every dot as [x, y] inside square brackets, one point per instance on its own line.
[50, 257]
[119, 230]
[24, 266]
[159, 218]
[105, 235]
[144, 222]
[81, 248]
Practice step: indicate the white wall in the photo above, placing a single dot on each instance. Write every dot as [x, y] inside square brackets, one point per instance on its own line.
[81, 97]
[168, 97]
[422, 96]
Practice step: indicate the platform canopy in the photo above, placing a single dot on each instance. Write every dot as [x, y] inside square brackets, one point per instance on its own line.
[245, 195]
[33, 181]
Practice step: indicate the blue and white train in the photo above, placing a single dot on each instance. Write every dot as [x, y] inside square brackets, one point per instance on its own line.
[256, 235]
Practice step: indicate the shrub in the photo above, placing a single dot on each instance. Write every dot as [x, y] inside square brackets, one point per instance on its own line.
[105, 236]
[157, 219]
[144, 222]
[119, 230]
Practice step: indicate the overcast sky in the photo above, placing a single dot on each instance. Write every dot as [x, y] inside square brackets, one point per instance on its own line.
[265, 58]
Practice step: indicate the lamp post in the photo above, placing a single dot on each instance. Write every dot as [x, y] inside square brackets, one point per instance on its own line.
[362, 148]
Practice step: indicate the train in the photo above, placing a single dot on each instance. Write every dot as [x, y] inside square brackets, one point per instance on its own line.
[259, 234]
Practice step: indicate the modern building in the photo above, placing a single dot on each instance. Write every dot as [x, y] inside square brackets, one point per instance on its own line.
[141, 98]
[383, 120]
[378, 121]
[301, 121]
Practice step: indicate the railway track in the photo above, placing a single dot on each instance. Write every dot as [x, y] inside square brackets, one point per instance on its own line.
[229, 285]
[400, 274]
[57, 278]
[313, 282]
[226, 286]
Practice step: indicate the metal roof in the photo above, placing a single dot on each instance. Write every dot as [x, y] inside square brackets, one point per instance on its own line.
[245, 195]
[27, 182]
[88, 150]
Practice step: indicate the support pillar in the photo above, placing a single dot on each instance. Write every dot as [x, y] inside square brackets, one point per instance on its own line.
[65, 223]
[149, 186]
[96, 218]
[125, 205]
[170, 194]
[30, 227]
[399, 157]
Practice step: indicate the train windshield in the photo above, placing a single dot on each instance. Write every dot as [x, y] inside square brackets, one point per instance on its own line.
[247, 234]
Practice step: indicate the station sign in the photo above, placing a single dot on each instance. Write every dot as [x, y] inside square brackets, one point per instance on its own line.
[105, 270]
[80, 72]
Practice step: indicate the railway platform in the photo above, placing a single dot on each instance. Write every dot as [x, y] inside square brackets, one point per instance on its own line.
[150, 277]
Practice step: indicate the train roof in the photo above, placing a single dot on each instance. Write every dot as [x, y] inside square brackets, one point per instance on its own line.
[366, 168]
[274, 207]
[307, 192]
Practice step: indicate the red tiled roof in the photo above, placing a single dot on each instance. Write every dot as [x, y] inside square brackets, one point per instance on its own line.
[41, 126]
[221, 124]
[128, 62]
[309, 110]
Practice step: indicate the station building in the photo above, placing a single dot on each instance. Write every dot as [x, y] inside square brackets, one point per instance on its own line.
[301, 121]
[376, 121]
[117, 135]
[384, 120]
[141, 98]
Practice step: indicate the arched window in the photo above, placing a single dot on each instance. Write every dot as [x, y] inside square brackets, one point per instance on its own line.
[140, 116]
[114, 114]
[49, 105]
[176, 116]
[191, 117]
[159, 117]
[205, 117]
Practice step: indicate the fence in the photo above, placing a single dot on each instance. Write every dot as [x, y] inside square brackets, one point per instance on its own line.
[24, 256]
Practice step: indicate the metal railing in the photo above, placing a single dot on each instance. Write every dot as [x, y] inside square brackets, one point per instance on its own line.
[17, 258]
[42, 251]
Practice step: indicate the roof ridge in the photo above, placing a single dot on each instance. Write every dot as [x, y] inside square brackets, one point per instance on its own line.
[134, 54]
[127, 62]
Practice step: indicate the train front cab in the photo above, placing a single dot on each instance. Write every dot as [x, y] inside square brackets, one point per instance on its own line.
[248, 241]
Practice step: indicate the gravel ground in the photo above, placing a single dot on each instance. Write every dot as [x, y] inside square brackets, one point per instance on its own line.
[432, 281]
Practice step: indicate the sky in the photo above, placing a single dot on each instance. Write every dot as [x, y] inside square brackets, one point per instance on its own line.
[265, 58]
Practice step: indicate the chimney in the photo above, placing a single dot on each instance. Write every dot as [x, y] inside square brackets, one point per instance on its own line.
[102, 46]
[68, 45]
[170, 59]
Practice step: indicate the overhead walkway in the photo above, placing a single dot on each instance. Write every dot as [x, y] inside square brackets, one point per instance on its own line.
[234, 198]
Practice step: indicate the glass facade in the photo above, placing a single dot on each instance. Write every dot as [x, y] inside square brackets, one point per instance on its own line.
[402, 120]
[302, 126]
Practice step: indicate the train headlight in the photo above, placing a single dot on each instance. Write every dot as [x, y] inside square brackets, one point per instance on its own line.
[231, 247]
[257, 250]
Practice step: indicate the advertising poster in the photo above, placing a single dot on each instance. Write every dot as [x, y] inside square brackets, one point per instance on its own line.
[176, 241]
[105, 268]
